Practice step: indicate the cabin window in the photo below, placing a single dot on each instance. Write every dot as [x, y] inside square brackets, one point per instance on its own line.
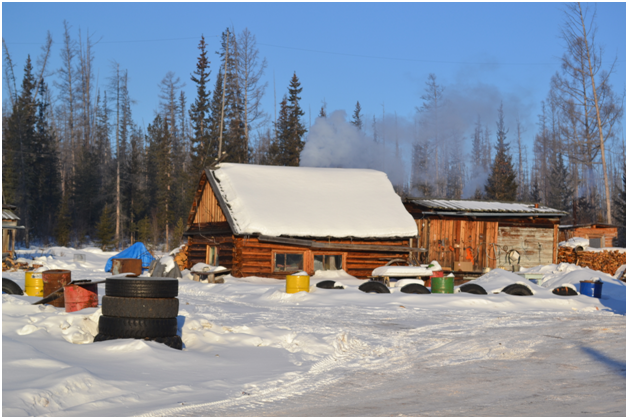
[288, 262]
[595, 242]
[211, 255]
[327, 262]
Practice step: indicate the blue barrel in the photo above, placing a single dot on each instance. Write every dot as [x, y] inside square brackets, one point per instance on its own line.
[592, 289]
[597, 289]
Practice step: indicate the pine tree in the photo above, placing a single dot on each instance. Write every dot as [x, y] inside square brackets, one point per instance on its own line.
[105, 230]
[501, 183]
[357, 116]
[200, 114]
[64, 223]
[560, 192]
[535, 194]
[290, 134]
[215, 111]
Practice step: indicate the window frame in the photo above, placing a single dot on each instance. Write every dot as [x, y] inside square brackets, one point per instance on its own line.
[342, 254]
[288, 252]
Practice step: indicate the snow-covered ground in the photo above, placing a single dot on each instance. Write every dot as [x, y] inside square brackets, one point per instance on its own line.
[250, 349]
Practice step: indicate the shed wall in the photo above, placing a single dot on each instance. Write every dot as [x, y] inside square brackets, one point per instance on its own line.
[535, 245]
[608, 234]
[458, 240]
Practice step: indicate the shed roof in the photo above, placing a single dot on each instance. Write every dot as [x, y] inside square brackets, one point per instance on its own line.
[310, 202]
[469, 206]
[7, 214]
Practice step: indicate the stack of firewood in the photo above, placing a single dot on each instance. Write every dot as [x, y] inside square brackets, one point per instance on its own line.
[181, 258]
[14, 266]
[606, 261]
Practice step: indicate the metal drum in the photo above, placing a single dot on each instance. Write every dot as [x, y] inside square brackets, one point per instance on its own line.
[53, 280]
[34, 284]
[80, 296]
[297, 283]
[126, 265]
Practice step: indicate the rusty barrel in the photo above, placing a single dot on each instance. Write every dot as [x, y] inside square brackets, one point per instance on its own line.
[53, 280]
[126, 265]
[80, 296]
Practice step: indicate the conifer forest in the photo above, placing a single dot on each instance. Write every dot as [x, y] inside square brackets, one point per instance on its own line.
[80, 168]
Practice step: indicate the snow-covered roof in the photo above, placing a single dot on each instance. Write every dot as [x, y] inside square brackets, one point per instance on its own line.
[311, 202]
[485, 206]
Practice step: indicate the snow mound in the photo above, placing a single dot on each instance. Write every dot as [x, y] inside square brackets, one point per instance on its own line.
[402, 270]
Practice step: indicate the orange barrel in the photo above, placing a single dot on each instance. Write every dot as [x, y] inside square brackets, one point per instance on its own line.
[53, 280]
[435, 274]
[34, 284]
[80, 296]
[120, 266]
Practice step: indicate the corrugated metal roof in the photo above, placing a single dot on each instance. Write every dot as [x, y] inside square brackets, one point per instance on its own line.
[9, 215]
[484, 206]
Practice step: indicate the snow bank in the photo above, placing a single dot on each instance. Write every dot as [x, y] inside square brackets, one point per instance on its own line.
[575, 242]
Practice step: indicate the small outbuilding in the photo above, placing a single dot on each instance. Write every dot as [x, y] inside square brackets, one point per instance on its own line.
[469, 236]
[599, 235]
[272, 221]
[9, 229]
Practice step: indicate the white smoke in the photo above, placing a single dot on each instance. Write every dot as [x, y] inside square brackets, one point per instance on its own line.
[334, 142]
[476, 180]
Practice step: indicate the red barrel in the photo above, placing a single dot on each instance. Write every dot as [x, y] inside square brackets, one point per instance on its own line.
[435, 274]
[120, 266]
[53, 280]
[80, 296]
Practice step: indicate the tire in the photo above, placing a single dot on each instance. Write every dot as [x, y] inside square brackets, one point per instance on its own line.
[373, 286]
[137, 328]
[10, 287]
[142, 288]
[517, 289]
[566, 291]
[147, 308]
[415, 289]
[473, 289]
[328, 285]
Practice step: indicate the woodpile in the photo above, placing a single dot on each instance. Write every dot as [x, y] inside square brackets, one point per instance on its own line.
[605, 261]
[14, 266]
[181, 258]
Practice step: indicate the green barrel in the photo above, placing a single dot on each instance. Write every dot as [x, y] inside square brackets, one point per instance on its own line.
[443, 285]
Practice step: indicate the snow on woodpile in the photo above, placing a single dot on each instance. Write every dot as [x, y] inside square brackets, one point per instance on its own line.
[575, 242]
[312, 202]
[607, 260]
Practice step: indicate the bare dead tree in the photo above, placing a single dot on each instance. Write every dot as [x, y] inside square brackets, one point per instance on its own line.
[250, 71]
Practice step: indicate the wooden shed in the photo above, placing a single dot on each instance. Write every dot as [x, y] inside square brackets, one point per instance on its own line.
[599, 235]
[9, 229]
[272, 221]
[468, 236]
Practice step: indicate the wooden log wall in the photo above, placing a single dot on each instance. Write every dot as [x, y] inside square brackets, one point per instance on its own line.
[255, 258]
[536, 245]
[197, 249]
[455, 240]
[608, 234]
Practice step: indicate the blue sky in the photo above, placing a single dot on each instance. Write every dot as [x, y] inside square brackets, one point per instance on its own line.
[377, 53]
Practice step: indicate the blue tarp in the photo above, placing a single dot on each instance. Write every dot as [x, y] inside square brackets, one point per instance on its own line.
[137, 251]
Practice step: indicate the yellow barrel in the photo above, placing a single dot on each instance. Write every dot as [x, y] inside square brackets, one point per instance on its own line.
[297, 283]
[34, 284]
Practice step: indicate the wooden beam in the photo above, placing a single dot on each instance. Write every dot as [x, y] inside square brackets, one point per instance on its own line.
[339, 246]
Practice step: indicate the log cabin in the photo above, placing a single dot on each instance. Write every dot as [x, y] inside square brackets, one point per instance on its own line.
[469, 236]
[599, 234]
[272, 221]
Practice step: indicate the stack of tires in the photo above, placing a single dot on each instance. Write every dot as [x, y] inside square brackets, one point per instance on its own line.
[140, 308]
